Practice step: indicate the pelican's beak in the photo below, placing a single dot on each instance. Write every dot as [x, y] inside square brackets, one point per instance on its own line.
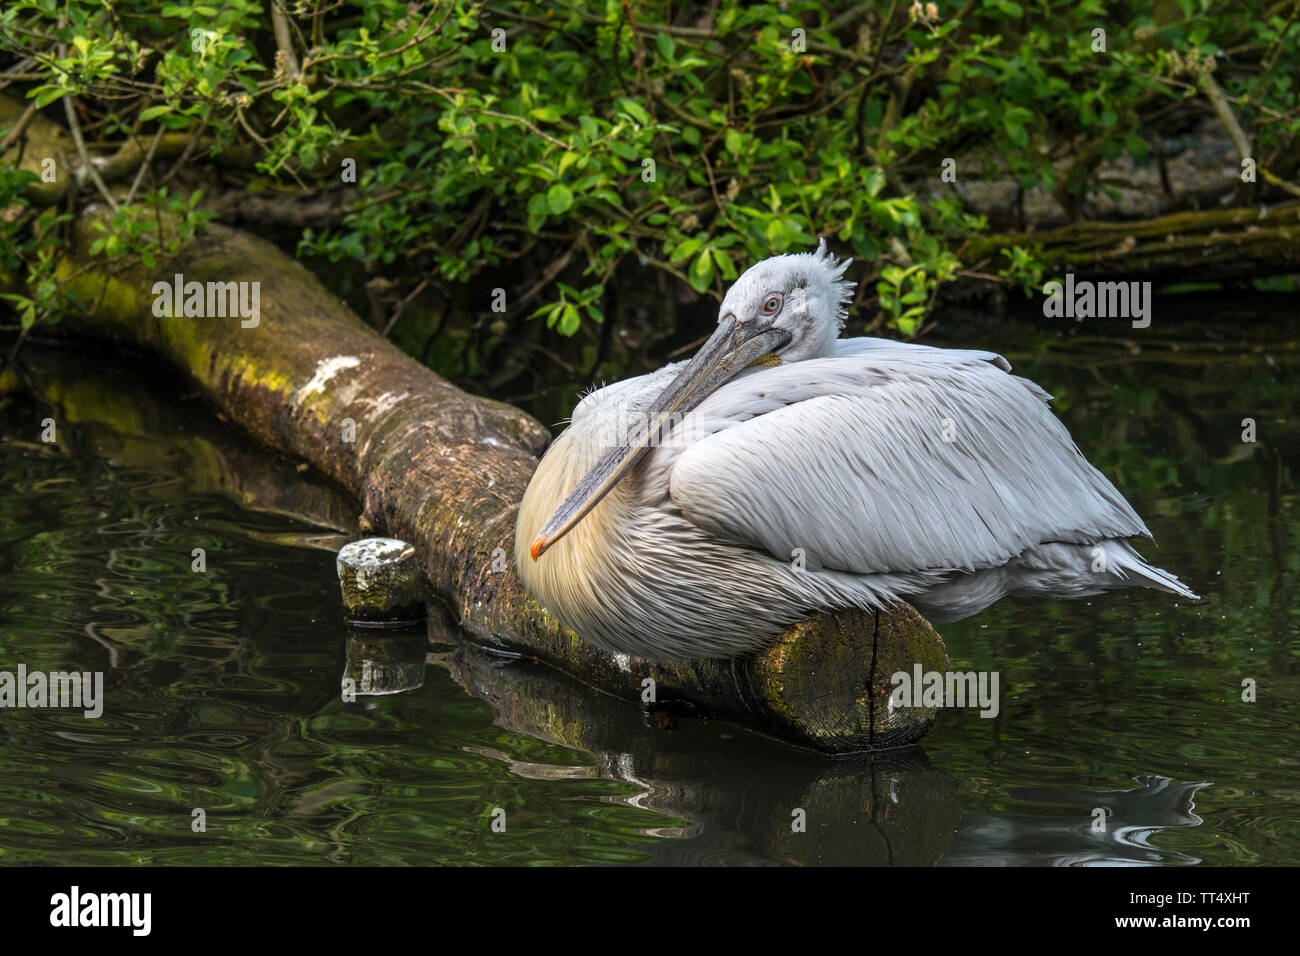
[733, 347]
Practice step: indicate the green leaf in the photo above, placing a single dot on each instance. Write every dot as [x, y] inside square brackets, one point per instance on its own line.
[875, 181]
[623, 150]
[635, 110]
[702, 271]
[1015, 130]
[667, 47]
[45, 95]
[559, 198]
[569, 321]
[685, 250]
[725, 265]
[1137, 147]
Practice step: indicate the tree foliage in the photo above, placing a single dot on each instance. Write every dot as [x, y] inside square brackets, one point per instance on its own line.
[690, 138]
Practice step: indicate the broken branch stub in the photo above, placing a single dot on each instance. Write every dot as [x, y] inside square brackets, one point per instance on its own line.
[381, 583]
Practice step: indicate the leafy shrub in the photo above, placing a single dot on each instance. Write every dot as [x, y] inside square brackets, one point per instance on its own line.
[690, 138]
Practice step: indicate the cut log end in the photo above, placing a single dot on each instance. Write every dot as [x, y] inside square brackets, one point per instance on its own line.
[381, 583]
[829, 681]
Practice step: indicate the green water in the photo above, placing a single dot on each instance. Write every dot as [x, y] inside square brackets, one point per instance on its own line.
[222, 687]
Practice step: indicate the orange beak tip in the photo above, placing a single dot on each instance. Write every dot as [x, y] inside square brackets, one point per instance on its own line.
[538, 544]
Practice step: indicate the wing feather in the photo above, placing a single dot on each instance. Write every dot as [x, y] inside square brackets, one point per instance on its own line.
[849, 459]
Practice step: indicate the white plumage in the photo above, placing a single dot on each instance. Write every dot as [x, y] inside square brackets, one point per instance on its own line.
[855, 473]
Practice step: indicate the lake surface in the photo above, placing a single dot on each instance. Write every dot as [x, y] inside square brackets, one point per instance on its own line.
[222, 686]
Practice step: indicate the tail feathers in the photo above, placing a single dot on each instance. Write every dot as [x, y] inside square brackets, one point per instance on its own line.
[1124, 562]
[1053, 570]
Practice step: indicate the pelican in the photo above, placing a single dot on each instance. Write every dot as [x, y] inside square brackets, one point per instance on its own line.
[700, 510]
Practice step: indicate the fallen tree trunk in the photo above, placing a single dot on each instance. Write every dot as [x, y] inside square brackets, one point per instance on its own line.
[1185, 246]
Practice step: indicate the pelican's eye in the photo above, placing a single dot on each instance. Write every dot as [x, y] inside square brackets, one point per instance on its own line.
[772, 304]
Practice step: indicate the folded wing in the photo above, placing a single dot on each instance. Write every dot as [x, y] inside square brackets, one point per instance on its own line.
[892, 457]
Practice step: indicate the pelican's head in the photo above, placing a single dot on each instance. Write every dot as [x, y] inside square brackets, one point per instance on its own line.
[803, 295]
[783, 309]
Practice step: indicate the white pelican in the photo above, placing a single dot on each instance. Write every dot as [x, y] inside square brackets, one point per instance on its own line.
[699, 510]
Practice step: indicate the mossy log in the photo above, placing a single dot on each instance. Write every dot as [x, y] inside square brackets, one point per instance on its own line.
[1182, 247]
[445, 471]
